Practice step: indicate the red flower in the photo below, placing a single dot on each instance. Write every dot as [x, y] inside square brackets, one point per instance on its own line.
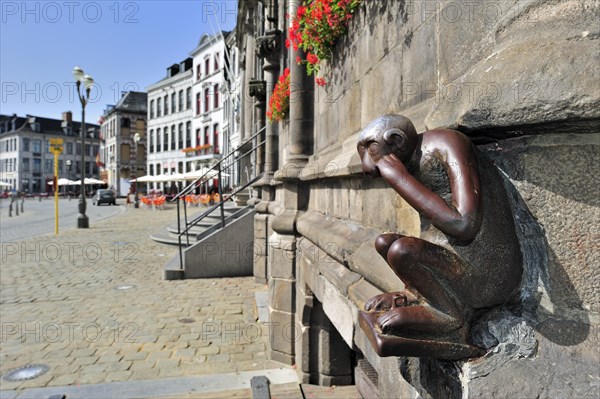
[298, 59]
[320, 82]
[317, 26]
[279, 103]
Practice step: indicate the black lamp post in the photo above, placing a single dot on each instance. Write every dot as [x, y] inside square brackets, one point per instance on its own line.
[88, 82]
[136, 139]
[68, 162]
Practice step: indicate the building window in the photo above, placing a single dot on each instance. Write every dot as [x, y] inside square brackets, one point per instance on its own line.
[69, 149]
[216, 94]
[60, 166]
[198, 137]
[198, 107]
[37, 165]
[25, 144]
[180, 100]
[151, 109]
[36, 145]
[216, 62]
[173, 103]
[158, 108]
[87, 149]
[172, 137]
[47, 145]
[216, 148]
[206, 99]
[151, 143]
[206, 135]
[188, 98]
[78, 149]
[207, 66]
[166, 104]
[198, 72]
[188, 134]
[166, 139]
[181, 138]
[25, 167]
[49, 166]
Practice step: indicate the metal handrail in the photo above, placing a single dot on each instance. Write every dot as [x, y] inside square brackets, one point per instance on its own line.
[219, 168]
[192, 185]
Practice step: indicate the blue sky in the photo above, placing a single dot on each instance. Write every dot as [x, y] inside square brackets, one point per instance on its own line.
[123, 45]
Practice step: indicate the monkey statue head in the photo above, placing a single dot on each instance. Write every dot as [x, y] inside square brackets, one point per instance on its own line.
[388, 134]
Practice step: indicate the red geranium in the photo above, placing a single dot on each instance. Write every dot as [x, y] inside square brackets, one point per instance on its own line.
[279, 104]
[316, 27]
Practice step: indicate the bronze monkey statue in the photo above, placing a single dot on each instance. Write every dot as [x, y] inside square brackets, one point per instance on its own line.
[467, 258]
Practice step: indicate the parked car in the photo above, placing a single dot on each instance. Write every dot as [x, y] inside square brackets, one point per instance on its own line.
[105, 197]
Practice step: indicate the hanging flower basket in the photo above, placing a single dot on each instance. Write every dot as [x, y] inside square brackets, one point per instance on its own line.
[279, 104]
[317, 26]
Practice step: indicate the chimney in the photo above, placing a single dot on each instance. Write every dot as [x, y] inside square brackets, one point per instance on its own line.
[67, 117]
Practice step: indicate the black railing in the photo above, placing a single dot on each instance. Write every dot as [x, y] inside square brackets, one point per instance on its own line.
[226, 163]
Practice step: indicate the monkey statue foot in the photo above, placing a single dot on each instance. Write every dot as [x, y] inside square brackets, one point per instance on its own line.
[390, 300]
[418, 331]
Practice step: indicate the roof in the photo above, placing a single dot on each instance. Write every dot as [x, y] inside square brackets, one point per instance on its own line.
[47, 125]
[132, 101]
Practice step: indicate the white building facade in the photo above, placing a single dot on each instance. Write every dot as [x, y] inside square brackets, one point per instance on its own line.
[170, 112]
[207, 89]
[26, 161]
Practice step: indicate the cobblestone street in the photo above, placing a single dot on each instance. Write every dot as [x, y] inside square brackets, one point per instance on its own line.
[91, 305]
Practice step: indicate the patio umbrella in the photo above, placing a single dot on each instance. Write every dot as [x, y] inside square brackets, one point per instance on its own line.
[88, 181]
[166, 178]
[62, 182]
[4, 184]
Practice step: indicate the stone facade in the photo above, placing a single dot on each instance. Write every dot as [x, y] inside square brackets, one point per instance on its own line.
[519, 78]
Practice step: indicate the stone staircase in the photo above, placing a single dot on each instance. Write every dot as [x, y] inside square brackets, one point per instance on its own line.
[208, 225]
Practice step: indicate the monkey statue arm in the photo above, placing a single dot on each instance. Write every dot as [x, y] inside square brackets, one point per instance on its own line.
[463, 219]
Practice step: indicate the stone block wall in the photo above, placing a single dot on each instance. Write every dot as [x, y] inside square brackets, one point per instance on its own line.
[520, 78]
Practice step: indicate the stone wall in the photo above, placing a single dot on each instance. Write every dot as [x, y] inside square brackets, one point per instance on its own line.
[520, 78]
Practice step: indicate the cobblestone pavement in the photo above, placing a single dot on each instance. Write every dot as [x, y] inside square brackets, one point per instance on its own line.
[60, 305]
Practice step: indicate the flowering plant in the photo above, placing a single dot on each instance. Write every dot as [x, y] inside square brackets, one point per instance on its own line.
[196, 148]
[316, 27]
[279, 104]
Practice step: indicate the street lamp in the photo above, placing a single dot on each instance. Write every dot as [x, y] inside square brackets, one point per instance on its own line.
[136, 139]
[88, 82]
[68, 162]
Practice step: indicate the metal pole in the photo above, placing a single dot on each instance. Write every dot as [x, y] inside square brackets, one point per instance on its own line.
[221, 199]
[82, 219]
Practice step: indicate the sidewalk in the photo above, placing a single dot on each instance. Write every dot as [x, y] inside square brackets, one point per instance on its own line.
[91, 305]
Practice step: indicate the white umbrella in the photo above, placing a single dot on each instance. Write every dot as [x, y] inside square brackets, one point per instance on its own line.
[88, 181]
[143, 179]
[4, 184]
[199, 173]
[166, 178]
[62, 182]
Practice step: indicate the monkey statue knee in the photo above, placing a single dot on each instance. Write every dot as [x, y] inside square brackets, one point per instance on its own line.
[467, 257]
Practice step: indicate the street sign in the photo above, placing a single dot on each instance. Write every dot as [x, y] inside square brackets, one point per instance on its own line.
[56, 149]
[56, 141]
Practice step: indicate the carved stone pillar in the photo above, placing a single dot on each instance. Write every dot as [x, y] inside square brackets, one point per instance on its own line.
[294, 199]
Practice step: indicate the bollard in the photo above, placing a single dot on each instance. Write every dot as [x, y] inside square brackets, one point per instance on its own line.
[22, 204]
[16, 207]
[10, 209]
